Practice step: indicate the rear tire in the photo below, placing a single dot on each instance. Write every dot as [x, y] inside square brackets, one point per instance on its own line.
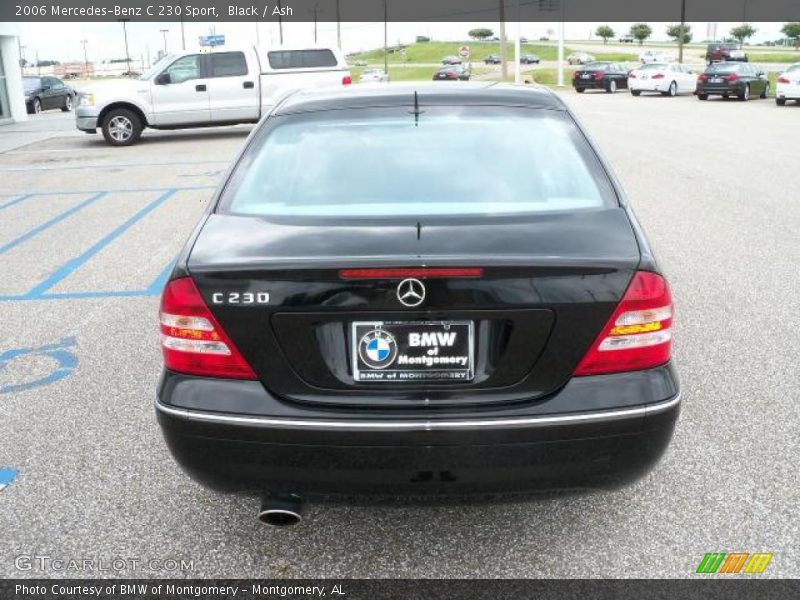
[780, 101]
[745, 96]
[67, 104]
[580, 90]
[636, 92]
[121, 127]
[37, 106]
[611, 87]
[702, 96]
[765, 93]
[673, 90]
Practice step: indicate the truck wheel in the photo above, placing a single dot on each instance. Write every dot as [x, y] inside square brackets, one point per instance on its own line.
[121, 127]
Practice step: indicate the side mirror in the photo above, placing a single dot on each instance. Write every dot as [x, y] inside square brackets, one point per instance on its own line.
[163, 79]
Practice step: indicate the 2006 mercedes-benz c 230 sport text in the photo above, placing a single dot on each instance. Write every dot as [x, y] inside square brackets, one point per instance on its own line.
[353, 316]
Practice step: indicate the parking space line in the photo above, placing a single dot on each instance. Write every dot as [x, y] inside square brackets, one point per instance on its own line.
[47, 224]
[160, 281]
[113, 166]
[120, 191]
[75, 263]
[16, 200]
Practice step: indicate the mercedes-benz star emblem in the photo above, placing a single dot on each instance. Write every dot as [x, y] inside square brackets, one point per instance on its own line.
[411, 292]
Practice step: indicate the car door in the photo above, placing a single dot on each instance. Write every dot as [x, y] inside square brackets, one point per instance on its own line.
[620, 75]
[180, 93]
[761, 76]
[49, 93]
[60, 91]
[233, 92]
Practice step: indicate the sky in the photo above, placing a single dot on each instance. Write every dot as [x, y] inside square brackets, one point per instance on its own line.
[62, 42]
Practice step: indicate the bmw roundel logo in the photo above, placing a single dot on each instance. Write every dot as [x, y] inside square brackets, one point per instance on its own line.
[377, 348]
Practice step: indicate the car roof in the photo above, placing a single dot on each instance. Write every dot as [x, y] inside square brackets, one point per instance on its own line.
[428, 94]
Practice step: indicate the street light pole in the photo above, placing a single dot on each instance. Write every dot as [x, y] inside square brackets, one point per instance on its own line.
[85, 59]
[680, 39]
[183, 31]
[386, 36]
[164, 32]
[338, 26]
[125, 33]
[280, 22]
[315, 10]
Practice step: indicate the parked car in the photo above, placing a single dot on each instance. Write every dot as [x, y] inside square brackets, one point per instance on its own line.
[451, 60]
[492, 59]
[788, 87]
[201, 89]
[655, 56]
[717, 52]
[374, 76]
[45, 93]
[313, 346]
[626, 39]
[529, 59]
[452, 73]
[670, 79]
[579, 58]
[360, 63]
[741, 80]
[606, 76]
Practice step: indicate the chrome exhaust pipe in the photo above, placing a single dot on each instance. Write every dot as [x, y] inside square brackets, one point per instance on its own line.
[281, 511]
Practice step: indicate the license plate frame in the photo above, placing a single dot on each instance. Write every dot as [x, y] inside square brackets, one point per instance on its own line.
[431, 360]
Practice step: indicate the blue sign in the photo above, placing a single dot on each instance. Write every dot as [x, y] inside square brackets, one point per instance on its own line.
[212, 40]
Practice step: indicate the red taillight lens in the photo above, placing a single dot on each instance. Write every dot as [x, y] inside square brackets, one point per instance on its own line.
[599, 75]
[703, 77]
[732, 77]
[783, 79]
[575, 74]
[347, 80]
[658, 76]
[418, 272]
[191, 338]
[632, 75]
[639, 333]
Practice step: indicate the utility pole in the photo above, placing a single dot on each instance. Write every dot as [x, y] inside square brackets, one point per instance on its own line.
[183, 31]
[503, 65]
[315, 10]
[338, 26]
[125, 33]
[280, 22]
[85, 59]
[680, 39]
[164, 33]
[560, 79]
[517, 50]
[386, 36]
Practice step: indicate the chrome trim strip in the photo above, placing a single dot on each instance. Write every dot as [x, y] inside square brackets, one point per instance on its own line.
[420, 425]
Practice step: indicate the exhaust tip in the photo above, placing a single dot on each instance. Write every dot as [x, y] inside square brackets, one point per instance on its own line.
[281, 511]
[279, 517]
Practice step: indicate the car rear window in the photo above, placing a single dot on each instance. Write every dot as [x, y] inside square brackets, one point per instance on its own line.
[652, 66]
[793, 68]
[445, 161]
[596, 67]
[301, 59]
[723, 68]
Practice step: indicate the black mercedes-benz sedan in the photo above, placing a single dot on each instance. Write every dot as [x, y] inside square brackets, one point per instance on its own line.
[351, 317]
[600, 75]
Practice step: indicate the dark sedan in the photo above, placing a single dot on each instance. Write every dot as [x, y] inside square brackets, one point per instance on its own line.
[739, 80]
[492, 59]
[45, 93]
[426, 332]
[606, 76]
[452, 73]
[529, 59]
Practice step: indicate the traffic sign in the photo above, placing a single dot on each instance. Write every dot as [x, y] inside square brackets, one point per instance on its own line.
[212, 40]
[463, 52]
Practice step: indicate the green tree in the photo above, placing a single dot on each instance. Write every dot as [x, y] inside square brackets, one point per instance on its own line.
[480, 33]
[678, 31]
[792, 31]
[641, 31]
[605, 32]
[743, 32]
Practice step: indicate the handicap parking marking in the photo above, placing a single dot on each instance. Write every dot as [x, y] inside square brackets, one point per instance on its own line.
[67, 362]
[7, 476]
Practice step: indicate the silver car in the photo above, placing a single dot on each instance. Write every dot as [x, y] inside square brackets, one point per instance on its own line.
[374, 76]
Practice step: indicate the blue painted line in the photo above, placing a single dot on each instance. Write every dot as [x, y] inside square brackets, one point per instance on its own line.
[47, 224]
[116, 166]
[159, 282]
[77, 295]
[16, 201]
[123, 190]
[7, 476]
[67, 363]
[73, 264]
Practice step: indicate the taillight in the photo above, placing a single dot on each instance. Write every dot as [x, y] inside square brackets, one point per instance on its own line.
[732, 77]
[632, 75]
[703, 77]
[783, 79]
[639, 333]
[599, 75]
[658, 76]
[347, 80]
[191, 338]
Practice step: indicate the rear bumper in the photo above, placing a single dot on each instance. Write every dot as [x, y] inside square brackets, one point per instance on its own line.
[788, 91]
[649, 85]
[501, 450]
[721, 90]
[589, 84]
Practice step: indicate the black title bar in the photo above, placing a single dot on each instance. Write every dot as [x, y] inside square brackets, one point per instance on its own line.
[398, 10]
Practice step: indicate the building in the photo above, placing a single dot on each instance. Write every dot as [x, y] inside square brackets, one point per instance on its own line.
[12, 94]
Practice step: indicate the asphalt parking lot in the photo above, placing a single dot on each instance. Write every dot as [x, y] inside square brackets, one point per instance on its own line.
[88, 234]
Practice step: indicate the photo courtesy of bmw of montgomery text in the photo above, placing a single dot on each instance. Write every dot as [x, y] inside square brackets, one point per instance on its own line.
[344, 323]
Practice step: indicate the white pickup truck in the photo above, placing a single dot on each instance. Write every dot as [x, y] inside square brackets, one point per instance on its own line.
[203, 89]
